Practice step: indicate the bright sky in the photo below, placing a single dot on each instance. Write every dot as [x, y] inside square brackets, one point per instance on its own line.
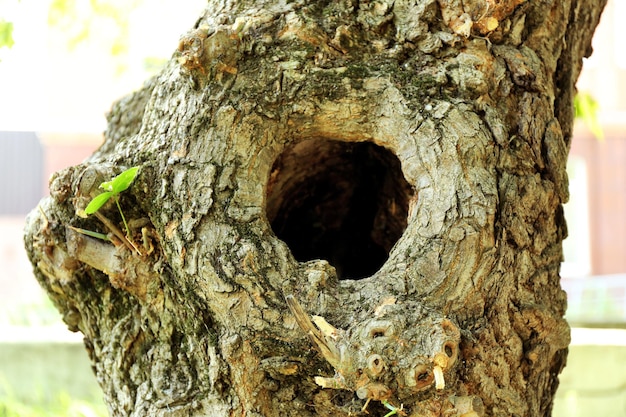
[45, 86]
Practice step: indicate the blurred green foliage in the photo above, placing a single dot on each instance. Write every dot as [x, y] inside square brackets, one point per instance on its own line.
[105, 25]
[586, 109]
[81, 20]
[62, 406]
[6, 34]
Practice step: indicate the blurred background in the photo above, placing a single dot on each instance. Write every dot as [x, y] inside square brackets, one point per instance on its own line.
[62, 64]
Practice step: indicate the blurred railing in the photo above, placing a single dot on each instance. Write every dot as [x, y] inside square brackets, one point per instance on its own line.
[598, 301]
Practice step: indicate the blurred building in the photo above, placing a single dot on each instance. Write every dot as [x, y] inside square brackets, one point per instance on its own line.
[27, 160]
[594, 271]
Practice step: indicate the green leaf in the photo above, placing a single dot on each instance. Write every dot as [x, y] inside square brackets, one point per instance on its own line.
[121, 182]
[97, 202]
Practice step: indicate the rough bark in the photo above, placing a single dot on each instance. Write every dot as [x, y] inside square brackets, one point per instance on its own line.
[438, 293]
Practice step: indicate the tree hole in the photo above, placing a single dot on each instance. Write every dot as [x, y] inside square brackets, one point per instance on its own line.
[343, 202]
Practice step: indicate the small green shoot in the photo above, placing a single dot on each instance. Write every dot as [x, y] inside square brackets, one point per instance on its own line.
[394, 410]
[90, 233]
[112, 189]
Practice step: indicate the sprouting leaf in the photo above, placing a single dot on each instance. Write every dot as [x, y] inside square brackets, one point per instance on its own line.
[121, 182]
[112, 190]
[98, 201]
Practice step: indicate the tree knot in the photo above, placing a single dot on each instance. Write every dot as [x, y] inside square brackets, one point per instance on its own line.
[397, 354]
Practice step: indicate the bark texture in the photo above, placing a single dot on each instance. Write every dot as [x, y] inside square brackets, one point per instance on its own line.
[343, 207]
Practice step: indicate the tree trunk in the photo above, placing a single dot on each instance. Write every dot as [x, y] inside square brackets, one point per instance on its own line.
[343, 208]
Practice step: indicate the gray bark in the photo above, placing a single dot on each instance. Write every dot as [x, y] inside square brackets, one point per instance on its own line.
[269, 279]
